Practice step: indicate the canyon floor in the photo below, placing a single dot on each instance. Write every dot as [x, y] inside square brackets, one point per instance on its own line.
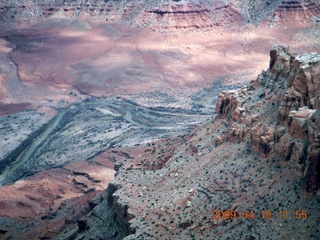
[80, 98]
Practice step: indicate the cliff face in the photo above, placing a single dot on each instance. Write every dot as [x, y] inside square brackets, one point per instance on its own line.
[153, 14]
[165, 15]
[259, 153]
[298, 11]
[289, 92]
[297, 136]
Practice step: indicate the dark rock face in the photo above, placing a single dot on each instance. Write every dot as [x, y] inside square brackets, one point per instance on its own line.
[313, 157]
[113, 214]
[83, 226]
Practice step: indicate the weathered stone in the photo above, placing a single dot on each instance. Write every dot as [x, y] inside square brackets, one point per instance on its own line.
[230, 103]
[294, 81]
[262, 138]
[236, 132]
[218, 140]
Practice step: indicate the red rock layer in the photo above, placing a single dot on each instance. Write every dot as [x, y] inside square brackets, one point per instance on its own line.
[52, 201]
[180, 16]
[298, 11]
[169, 14]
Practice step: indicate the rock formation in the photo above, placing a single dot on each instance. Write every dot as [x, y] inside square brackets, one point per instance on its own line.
[166, 15]
[260, 152]
[52, 201]
[298, 11]
[292, 81]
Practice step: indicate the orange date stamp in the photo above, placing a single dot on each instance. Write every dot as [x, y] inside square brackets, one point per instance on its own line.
[265, 214]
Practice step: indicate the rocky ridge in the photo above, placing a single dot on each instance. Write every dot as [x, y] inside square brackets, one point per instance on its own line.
[292, 84]
[259, 153]
[297, 11]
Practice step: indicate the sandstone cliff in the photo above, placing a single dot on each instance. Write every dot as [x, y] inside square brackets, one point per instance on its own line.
[288, 102]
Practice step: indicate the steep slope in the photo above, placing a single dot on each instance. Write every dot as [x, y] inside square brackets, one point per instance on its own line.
[41, 206]
[296, 11]
[251, 172]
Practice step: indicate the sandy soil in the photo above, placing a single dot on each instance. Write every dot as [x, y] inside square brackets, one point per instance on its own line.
[56, 59]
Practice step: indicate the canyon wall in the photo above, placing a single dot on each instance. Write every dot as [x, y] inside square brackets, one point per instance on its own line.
[261, 151]
[165, 15]
[289, 92]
